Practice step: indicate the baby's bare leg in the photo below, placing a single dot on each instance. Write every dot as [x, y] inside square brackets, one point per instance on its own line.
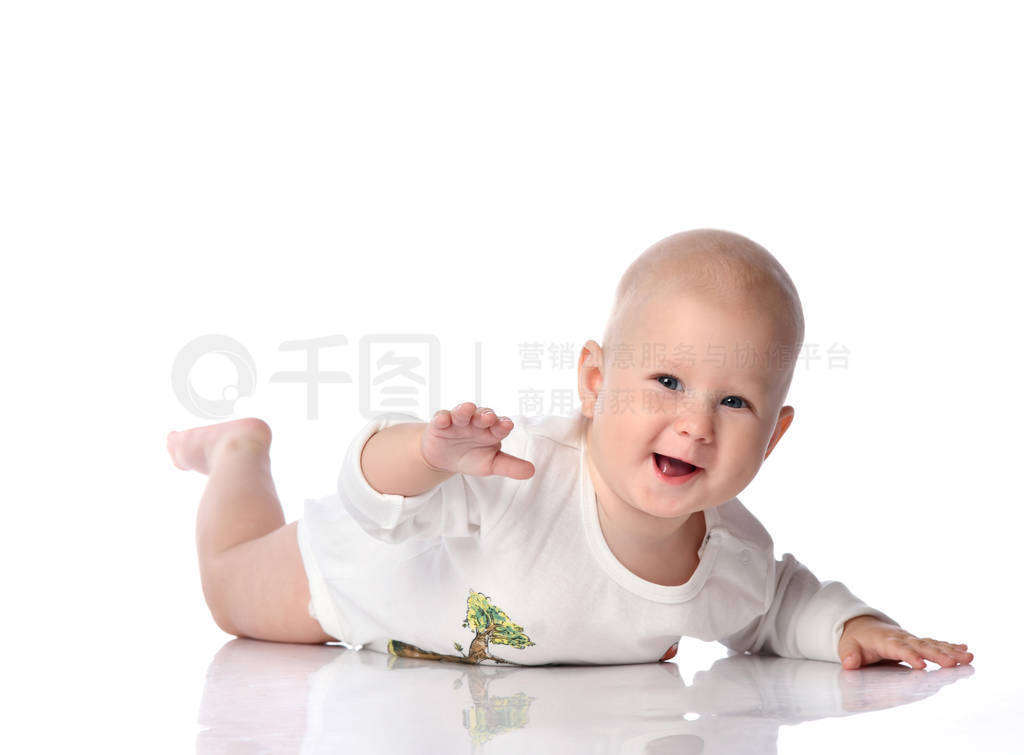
[249, 563]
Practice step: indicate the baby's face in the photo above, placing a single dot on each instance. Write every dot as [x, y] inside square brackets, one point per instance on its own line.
[696, 381]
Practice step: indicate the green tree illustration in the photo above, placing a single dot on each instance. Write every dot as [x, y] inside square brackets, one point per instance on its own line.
[491, 625]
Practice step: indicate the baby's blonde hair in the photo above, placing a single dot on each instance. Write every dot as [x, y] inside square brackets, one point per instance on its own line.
[720, 265]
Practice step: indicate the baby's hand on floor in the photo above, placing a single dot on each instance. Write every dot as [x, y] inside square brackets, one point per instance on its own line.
[868, 639]
[468, 440]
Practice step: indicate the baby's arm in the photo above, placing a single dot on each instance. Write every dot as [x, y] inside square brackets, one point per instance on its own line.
[454, 476]
[868, 639]
[392, 462]
[804, 617]
[807, 618]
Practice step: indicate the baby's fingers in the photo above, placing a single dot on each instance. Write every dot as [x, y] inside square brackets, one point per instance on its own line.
[484, 417]
[499, 426]
[502, 427]
[463, 413]
[917, 659]
[916, 651]
[943, 653]
[460, 416]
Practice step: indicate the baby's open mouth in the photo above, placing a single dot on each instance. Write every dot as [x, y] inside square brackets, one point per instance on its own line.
[671, 467]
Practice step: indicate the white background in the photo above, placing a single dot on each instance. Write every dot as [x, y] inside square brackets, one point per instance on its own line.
[484, 173]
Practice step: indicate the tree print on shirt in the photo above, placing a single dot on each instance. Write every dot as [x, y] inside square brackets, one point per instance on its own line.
[491, 625]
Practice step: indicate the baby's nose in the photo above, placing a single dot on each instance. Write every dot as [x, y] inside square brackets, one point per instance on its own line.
[696, 424]
[693, 419]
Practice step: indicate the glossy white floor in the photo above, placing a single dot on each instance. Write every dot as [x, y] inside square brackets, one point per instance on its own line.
[267, 697]
[215, 694]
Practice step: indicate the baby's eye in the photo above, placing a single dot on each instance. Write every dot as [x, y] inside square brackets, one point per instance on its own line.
[667, 377]
[742, 402]
[737, 398]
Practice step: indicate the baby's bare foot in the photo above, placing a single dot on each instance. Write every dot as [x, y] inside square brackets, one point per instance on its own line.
[196, 448]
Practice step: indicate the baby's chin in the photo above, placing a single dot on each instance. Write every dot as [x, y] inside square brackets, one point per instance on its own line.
[667, 509]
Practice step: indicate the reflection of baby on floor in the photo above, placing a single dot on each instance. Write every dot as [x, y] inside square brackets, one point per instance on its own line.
[321, 698]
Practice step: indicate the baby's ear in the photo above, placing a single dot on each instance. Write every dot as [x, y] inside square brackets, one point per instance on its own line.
[589, 376]
[785, 419]
[590, 355]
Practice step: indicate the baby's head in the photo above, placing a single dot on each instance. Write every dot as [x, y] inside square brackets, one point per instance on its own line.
[697, 359]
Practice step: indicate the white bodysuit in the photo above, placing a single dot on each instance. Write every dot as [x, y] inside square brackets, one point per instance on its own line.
[493, 570]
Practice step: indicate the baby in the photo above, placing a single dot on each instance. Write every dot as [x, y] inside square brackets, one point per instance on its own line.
[445, 541]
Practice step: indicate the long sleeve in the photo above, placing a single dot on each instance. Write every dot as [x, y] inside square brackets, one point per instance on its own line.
[461, 506]
[805, 616]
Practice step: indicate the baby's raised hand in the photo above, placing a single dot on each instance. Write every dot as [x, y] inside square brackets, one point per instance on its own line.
[867, 639]
[468, 440]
